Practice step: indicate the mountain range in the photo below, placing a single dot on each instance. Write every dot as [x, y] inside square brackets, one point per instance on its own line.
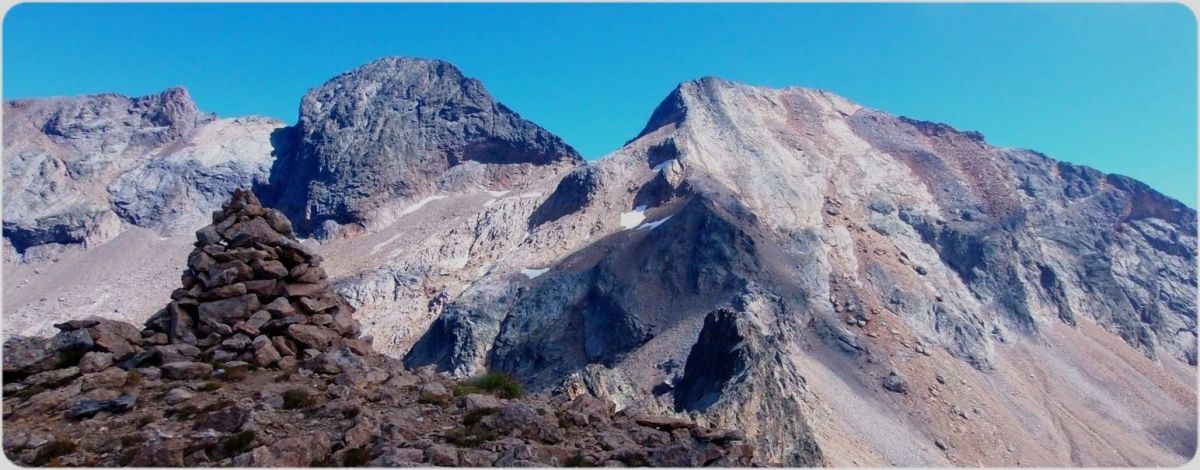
[846, 286]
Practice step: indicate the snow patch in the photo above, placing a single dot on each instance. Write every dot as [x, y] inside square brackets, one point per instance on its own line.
[662, 165]
[420, 204]
[534, 273]
[377, 247]
[498, 193]
[534, 194]
[634, 218]
[489, 202]
[458, 263]
[653, 225]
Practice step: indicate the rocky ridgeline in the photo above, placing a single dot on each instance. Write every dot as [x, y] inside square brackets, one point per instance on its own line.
[255, 362]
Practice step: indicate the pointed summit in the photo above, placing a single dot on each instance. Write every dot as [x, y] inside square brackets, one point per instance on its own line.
[399, 128]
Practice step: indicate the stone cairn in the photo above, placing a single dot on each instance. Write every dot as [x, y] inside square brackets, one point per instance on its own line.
[252, 294]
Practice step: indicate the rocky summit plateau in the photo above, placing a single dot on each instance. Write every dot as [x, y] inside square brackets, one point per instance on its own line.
[414, 274]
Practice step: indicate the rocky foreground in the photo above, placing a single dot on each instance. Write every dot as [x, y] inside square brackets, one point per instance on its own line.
[255, 362]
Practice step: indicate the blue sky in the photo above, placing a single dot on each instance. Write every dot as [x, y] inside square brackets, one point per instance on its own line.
[1112, 86]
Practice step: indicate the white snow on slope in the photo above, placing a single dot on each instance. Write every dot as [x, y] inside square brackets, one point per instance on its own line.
[533, 273]
[653, 225]
[458, 263]
[634, 218]
[489, 202]
[662, 165]
[498, 193]
[379, 246]
[420, 204]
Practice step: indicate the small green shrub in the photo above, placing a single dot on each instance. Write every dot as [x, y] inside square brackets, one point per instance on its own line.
[298, 399]
[235, 374]
[69, 358]
[578, 461]
[475, 416]
[29, 392]
[208, 386]
[127, 456]
[356, 458]
[51, 451]
[132, 440]
[495, 383]
[133, 378]
[238, 442]
[471, 436]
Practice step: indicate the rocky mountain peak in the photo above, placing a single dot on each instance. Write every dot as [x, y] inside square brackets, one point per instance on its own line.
[400, 128]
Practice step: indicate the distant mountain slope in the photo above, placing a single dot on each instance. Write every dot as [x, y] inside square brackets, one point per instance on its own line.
[79, 171]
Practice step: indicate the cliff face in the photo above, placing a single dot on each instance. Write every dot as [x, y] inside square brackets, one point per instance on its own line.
[401, 129]
[884, 290]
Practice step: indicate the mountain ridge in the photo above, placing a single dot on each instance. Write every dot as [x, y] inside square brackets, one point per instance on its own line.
[899, 275]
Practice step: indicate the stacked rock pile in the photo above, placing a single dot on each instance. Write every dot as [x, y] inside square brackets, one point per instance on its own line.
[251, 294]
[254, 294]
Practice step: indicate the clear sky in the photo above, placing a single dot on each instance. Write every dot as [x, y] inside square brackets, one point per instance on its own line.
[1111, 86]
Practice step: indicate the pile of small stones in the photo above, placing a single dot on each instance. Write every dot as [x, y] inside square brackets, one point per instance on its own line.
[254, 294]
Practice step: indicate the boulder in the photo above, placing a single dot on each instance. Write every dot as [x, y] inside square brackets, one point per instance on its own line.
[227, 310]
[178, 352]
[89, 408]
[476, 402]
[110, 378]
[95, 361]
[312, 336]
[895, 382]
[266, 355]
[186, 370]
[272, 269]
[29, 355]
[280, 308]
[305, 289]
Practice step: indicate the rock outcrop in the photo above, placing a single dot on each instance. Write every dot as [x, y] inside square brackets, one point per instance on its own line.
[214, 380]
[401, 129]
[79, 171]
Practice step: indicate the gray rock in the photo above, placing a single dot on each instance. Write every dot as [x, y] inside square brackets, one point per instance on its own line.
[88, 408]
[95, 361]
[441, 126]
[186, 370]
[27, 355]
[895, 382]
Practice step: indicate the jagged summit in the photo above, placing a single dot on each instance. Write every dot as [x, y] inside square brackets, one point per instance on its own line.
[400, 128]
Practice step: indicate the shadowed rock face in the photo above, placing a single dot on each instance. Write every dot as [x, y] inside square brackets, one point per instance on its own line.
[398, 128]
